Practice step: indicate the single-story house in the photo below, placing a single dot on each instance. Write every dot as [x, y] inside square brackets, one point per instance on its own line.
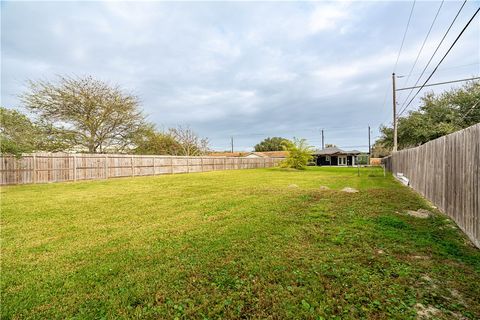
[334, 156]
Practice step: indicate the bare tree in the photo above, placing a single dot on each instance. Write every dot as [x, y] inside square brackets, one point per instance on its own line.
[190, 143]
[85, 112]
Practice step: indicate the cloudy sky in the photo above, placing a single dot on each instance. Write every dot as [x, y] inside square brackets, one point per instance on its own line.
[242, 69]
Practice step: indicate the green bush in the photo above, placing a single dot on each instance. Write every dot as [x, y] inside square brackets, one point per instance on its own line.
[299, 154]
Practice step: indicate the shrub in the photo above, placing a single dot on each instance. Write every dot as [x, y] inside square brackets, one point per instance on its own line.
[300, 154]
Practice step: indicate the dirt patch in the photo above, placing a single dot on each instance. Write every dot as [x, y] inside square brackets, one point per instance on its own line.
[324, 188]
[420, 213]
[349, 190]
[430, 283]
[427, 312]
[427, 278]
[420, 257]
[457, 296]
[292, 186]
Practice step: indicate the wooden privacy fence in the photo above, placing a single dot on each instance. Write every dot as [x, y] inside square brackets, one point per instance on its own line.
[42, 168]
[446, 172]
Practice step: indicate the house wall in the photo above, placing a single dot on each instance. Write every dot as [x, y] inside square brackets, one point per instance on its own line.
[322, 161]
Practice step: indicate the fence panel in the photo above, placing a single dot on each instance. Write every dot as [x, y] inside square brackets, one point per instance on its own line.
[446, 172]
[56, 167]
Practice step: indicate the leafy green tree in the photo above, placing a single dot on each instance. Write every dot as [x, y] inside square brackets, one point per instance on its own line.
[271, 144]
[379, 151]
[299, 154]
[18, 134]
[178, 141]
[85, 113]
[149, 141]
[437, 116]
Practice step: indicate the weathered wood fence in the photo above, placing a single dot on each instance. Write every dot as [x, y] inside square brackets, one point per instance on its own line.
[57, 167]
[446, 172]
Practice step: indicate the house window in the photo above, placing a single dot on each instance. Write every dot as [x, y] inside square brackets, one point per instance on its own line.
[327, 158]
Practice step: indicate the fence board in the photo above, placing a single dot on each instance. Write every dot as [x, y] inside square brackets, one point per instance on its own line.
[446, 172]
[57, 167]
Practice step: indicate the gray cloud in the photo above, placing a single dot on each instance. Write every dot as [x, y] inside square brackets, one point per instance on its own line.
[245, 69]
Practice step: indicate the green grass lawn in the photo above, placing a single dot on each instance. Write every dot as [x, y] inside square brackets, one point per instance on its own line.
[262, 243]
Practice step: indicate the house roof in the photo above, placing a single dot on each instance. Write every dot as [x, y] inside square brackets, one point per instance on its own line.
[228, 154]
[265, 154]
[272, 154]
[334, 151]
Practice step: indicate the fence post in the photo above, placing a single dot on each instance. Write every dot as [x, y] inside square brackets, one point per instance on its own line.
[154, 171]
[188, 166]
[34, 178]
[106, 167]
[133, 169]
[201, 164]
[74, 167]
[16, 167]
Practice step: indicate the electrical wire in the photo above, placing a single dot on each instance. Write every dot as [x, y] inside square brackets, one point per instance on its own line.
[433, 55]
[404, 35]
[466, 113]
[440, 83]
[443, 58]
[448, 68]
[424, 41]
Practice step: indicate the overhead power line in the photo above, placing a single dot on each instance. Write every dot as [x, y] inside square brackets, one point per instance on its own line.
[448, 68]
[443, 58]
[434, 53]
[424, 41]
[404, 35]
[466, 113]
[439, 83]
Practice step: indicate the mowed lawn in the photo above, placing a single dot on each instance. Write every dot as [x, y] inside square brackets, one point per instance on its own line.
[262, 243]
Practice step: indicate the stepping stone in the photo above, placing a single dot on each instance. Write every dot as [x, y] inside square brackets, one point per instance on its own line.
[420, 213]
[349, 190]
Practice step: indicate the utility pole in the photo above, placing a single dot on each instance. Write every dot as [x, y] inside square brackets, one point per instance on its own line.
[323, 145]
[231, 142]
[369, 149]
[394, 114]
